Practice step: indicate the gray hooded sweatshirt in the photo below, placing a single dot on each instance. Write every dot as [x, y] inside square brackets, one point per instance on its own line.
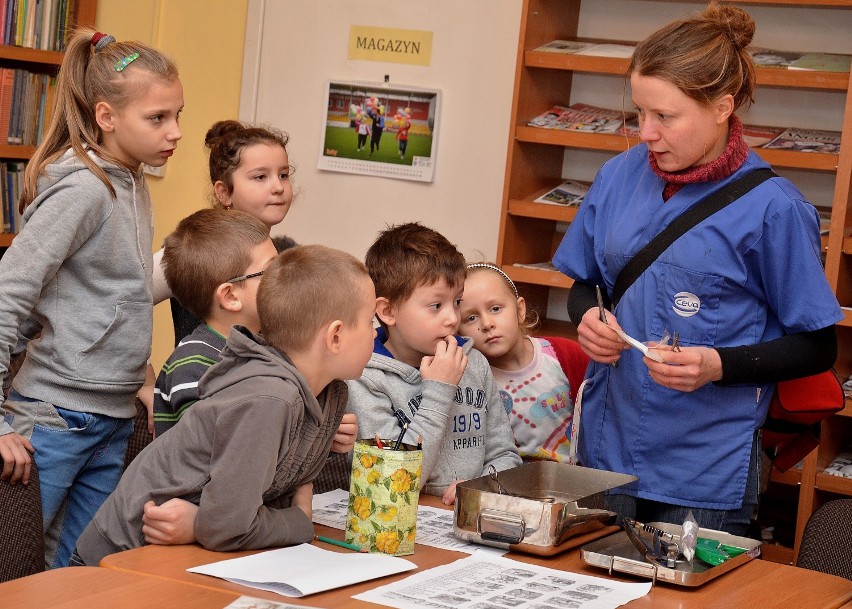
[464, 427]
[239, 453]
[80, 268]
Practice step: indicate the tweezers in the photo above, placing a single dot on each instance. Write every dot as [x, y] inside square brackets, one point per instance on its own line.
[601, 308]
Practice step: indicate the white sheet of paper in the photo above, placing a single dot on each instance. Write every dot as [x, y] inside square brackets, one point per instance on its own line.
[486, 581]
[304, 569]
[649, 353]
[434, 525]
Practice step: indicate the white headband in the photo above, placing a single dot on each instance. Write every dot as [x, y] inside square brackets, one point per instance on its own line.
[487, 265]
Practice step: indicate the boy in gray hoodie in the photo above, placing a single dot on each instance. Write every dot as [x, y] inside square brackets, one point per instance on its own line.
[247, 451]
[422, 380]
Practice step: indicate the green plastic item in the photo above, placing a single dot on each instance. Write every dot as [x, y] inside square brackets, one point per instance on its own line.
[714, 552]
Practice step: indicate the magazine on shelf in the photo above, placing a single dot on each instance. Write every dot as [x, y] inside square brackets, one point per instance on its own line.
[569, 193]
[841, 465]
[581, 117]
[807, 140]
[824, 219]
[772, 58]
[822, 62]
[563, 46]
[608, 50]
[758, 135]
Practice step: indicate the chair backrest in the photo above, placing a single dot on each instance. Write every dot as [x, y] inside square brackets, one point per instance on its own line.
[140, 438]
[21, 529]
[827, 540]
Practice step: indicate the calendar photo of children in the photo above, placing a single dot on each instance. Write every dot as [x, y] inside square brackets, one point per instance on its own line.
[379, 129]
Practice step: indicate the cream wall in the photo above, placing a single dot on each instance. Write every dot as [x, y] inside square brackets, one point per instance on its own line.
[208, 48]
[295, 46]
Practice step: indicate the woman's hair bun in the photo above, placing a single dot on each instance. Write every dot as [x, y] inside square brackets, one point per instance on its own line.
[737, 23]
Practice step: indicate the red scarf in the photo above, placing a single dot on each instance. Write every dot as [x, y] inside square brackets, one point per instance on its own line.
[728, 162]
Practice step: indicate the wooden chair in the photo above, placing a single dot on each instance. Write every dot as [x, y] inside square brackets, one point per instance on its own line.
[21, 529]
[827, 540]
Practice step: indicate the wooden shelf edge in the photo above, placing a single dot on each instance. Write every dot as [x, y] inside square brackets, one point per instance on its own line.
[814, 161]
[847, 319]
[792, 477]
[776, 553]
[14, 152]
[553, 279]
[833, 484]
[528, 209]
[27, 55]
[6, 239]
[772, 77]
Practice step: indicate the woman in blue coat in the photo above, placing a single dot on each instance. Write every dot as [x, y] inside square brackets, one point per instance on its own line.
[744, 290]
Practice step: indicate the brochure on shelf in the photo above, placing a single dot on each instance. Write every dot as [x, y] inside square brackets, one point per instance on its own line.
[568, 193]
[822, 62]
[581, 117]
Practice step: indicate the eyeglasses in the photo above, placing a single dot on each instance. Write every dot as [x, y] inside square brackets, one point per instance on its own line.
[244, 277]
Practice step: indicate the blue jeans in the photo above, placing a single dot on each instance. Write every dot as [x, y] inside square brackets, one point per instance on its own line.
[734, 521]
[80, 457]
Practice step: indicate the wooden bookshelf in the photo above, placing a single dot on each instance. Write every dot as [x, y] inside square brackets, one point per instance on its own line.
[37, 60]
[529, 231]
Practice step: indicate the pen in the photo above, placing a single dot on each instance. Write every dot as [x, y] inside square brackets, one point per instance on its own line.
[379, 442]
[419, 442]
[342, 544]
[398, 442]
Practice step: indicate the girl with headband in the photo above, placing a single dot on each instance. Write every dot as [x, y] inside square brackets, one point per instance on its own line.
[537, 377]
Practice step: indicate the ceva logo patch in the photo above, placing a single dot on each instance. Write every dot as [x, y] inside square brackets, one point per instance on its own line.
[686, 304]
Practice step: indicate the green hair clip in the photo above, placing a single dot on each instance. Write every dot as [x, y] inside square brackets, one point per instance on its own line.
[120, 65]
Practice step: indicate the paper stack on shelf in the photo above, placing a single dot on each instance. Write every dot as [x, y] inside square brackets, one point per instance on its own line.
[822, 62]
[841, 465]
[807, 140]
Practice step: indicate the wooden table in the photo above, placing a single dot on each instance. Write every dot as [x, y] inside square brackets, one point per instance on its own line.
[758, 584]
[95, 587]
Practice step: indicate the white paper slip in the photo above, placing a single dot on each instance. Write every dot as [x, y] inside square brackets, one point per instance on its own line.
[250, 602]
[649, 353]
[304, 569]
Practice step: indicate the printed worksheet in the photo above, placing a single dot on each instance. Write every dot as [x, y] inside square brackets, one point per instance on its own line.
[434, 525]
[494, 582]
[250, 602]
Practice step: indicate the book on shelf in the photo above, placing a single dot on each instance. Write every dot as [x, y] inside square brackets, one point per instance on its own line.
[772, 58]
[581, 117]
[822, 62]
[37, 24]
[541, 266]
[807, 140]
[757, 135]
[569, 193]
[563, 46]
[608, 49]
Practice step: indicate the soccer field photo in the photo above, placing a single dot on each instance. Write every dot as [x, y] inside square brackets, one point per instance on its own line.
[375, 129]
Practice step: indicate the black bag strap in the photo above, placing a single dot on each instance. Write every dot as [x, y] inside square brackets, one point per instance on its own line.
[702, 210]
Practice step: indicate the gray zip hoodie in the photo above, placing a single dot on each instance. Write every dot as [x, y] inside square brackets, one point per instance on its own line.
[239, 453]
[464, 426]
[80, 268]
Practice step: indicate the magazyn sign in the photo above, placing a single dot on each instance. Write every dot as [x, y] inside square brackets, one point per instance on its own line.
[391, 45]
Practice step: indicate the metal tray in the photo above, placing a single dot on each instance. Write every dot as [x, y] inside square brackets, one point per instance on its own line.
[536, 507]
[617, 553]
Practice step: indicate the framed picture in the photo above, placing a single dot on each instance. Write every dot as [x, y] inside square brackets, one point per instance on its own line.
[380, 129]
